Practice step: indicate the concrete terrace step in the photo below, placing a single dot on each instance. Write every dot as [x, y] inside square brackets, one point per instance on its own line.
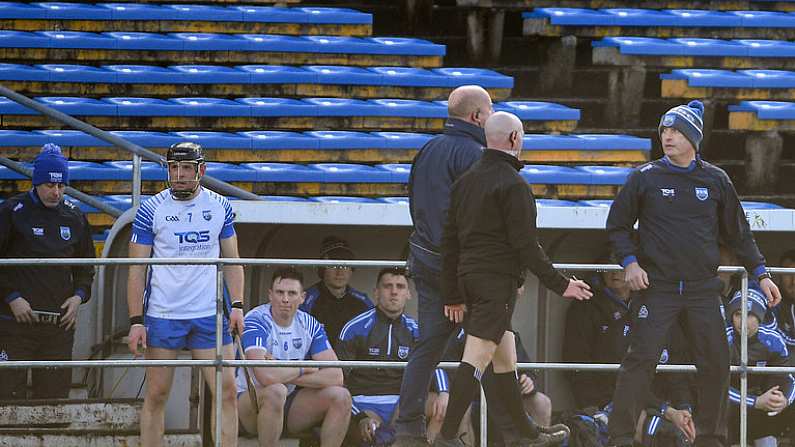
[70, 414]
[22, 437]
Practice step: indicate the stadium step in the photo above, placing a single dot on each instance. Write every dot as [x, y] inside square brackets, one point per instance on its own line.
[85, 414]
[37, 437]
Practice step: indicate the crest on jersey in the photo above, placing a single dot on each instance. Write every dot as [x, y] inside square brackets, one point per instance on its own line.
[403, 352]
[66, 233]
[643, 312]
[702, 194]
[3, 356]
[664, 356]
[207, 215]
[297, 343]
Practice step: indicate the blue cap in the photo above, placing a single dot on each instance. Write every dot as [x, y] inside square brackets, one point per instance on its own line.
[50, 166]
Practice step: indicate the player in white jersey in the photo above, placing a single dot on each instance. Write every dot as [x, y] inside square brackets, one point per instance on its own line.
[172, 307]
[291, 400]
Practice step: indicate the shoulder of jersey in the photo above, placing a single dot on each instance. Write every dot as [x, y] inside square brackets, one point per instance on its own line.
[409, 322]
[357, 324]
[218, 197]
[647, 166]
[773, 340]
[312, 294]
[153, 202]
[361, 296]
[14, 203]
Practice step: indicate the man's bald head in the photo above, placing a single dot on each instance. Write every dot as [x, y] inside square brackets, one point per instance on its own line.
[470, 103]
[504, 132]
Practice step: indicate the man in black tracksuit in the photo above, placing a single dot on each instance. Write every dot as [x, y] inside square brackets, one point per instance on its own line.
[489, 241]
[40, 302]
[683, 206]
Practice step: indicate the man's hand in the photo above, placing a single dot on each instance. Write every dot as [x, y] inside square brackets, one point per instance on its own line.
[455, 312]
[683, 420]
[237, 321]
[526, 384]
[367, 428]
[578, 289]
[439, 409]
[772, 400]
[69, 319]
[137, 336]
[771, 291]
[20, 307]
[636, 277]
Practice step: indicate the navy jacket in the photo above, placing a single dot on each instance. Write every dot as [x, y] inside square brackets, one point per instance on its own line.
[372, 335]
[681, 214]
[765, 348]
[28, 229]
[333, 312]
[439, 163]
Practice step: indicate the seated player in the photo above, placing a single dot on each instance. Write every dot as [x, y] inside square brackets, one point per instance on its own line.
[290, 400]
[384, 333]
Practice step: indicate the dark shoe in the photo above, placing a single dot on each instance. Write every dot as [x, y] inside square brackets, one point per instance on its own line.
[542, 440]
[410, 441]
[555, 428]
[441, 442]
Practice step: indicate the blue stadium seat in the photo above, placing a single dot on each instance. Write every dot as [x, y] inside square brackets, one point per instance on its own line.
[127, 40]
[74, 11]
[605, 175]
[69, 138]
[278, 73]
[18, 72]
[400, 171]
[205, 13]
[597, 203]
[767, 110]
[8, 174]
[338, 139]
[585, 142]
[538, 111]
[76, 39]
[88, 209]
[710, 78]
[275, 139]
[231, 172]
[330, 74]
[771, 78]
[226, 140]
[480, 76]
[304, 15]
[211, 42]
[91, 171]
[553, 175]
[145, 107]
[14, 10]
[279, 107]
[761, 206]
[139, 11]
[405, 45]
[124, 201]
[342, 199]
[211, 74]
[410, 108]
[410, 76]
[21, 39]
[211, 107]
[647, 46]
[147, 138]
[150, 171]
[78, 106]
[403, 140]
[285, 172]
[21, 138]
[139, 74]
[352, 173]
[342, 107]
[76, 73]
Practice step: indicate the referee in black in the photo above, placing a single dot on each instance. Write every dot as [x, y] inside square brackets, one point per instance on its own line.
[489, 241]
[683, 206]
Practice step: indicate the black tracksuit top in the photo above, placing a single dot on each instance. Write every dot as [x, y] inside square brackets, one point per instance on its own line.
[28, 229]
[681, 214]
[491, 227]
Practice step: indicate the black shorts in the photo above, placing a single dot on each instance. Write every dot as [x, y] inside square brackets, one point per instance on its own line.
[490, 300]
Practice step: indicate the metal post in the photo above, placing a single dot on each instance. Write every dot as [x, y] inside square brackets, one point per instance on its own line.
[744, 361]
[219, 353]
[484, 419]
[136, 180]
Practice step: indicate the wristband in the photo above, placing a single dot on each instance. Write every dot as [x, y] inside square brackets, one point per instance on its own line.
[137, 319]
[237, 304]
[663, 409]
[765, 275]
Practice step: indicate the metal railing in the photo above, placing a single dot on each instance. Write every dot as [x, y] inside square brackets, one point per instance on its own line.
[219, 362]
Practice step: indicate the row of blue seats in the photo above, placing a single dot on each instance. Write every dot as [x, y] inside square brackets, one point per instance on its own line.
[650, 46]
[733, 79]
[256, 74]
[767, 110]
[220, 42]
[679, 18]
[278, 107]
[143, 11]
[315, 140]
[124, 202]
[324, 173]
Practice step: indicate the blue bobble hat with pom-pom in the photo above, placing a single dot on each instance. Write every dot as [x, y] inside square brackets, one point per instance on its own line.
[688, 119]
[50, 166]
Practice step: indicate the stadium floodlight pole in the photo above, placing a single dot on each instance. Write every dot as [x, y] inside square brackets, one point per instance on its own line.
[208, 181]
[79, 195]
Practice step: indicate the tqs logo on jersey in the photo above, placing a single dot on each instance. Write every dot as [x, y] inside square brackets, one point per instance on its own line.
[193, 237]
[38, 231]
[668, 192]
[172, 218]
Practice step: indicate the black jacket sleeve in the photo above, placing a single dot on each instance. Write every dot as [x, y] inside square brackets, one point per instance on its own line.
[622, 217]
[346, 350]
[6, 228]
[450, 254]
[519, 212]
[83, 275]
[735, 229]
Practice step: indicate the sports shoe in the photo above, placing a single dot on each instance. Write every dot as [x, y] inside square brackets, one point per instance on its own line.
[555, 428]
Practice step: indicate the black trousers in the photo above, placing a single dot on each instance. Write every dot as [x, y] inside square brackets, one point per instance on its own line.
[35, 342]
[760, 424]
[656, 310]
